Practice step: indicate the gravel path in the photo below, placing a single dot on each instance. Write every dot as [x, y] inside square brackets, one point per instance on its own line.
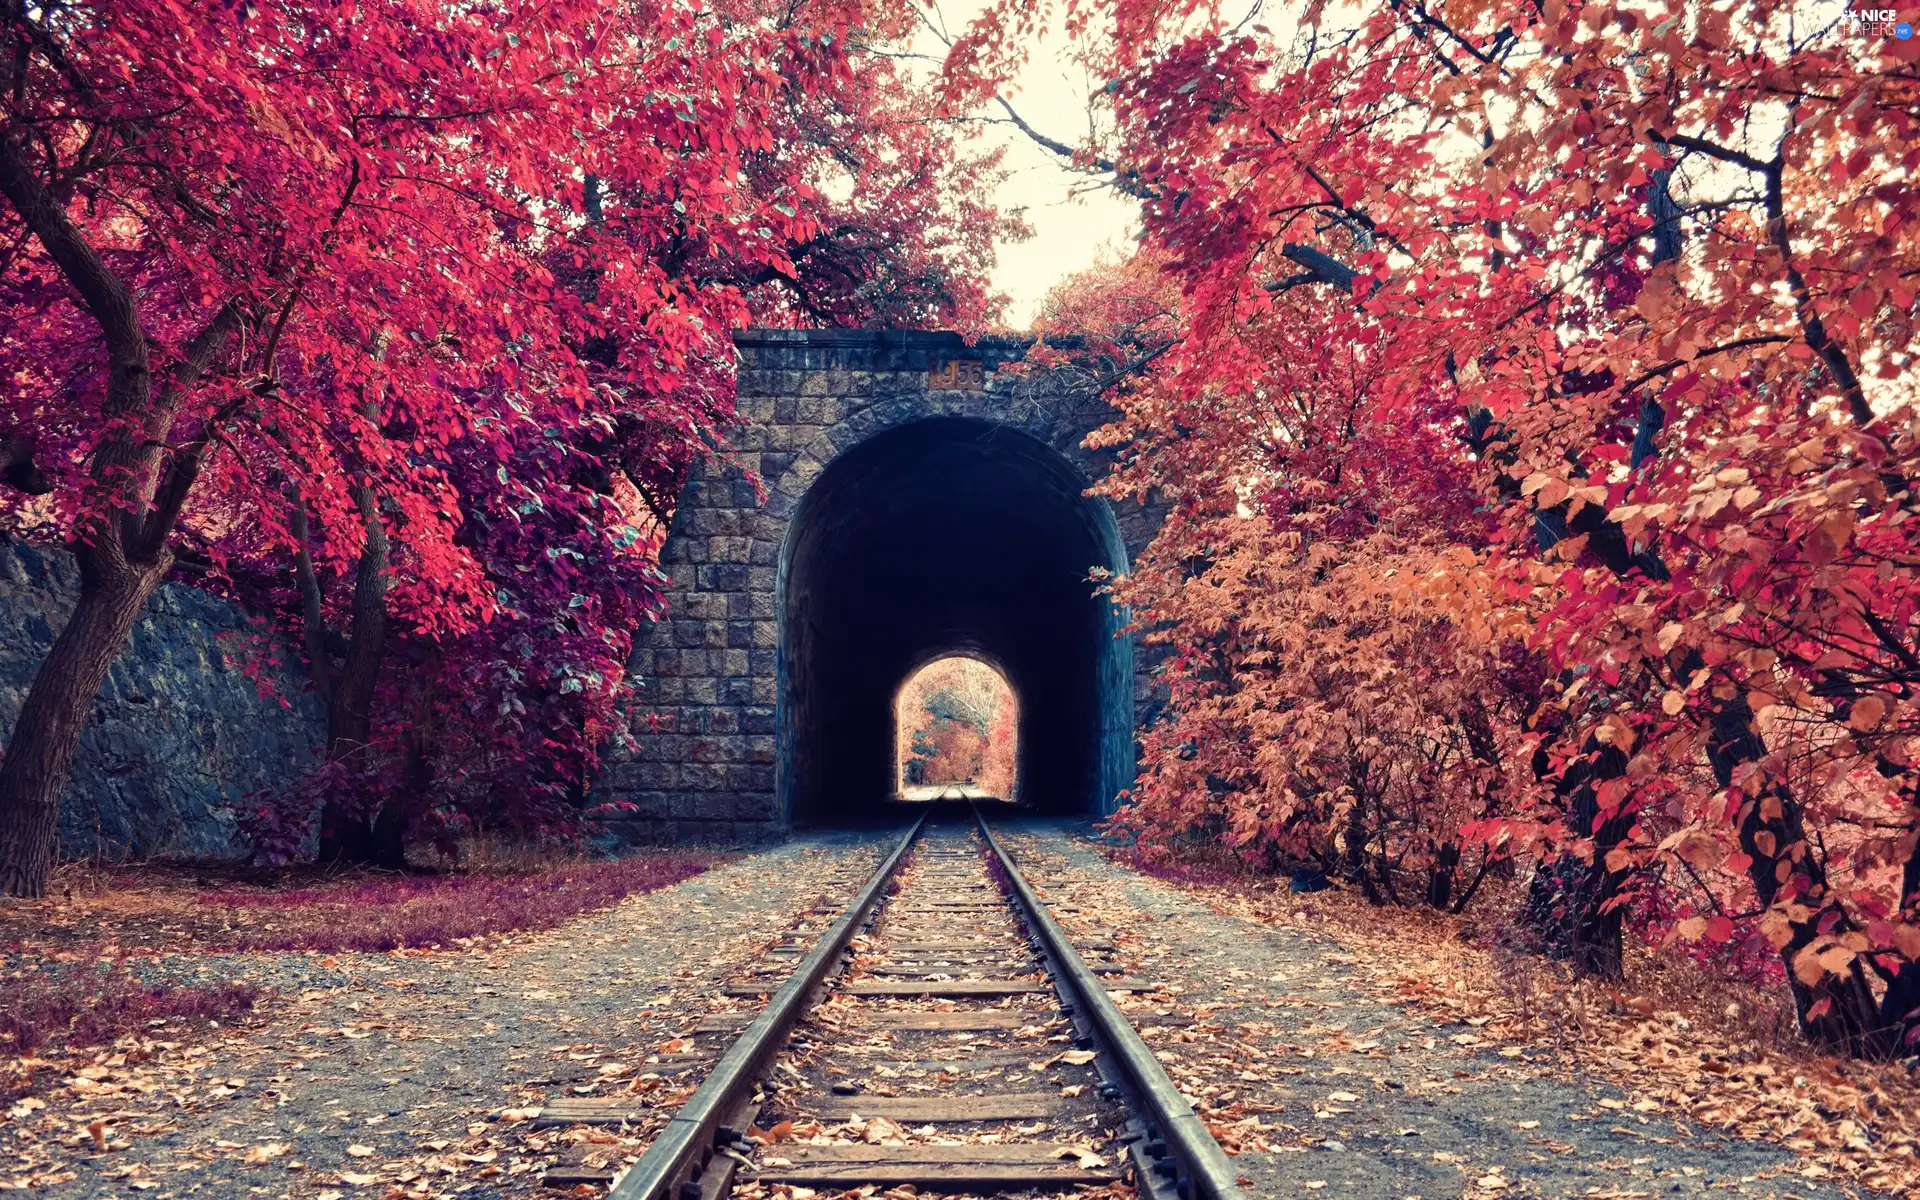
[1363, 1099]
[396, 1076]
[386, 1075]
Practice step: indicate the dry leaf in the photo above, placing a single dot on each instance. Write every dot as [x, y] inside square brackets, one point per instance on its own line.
[1083, 1156]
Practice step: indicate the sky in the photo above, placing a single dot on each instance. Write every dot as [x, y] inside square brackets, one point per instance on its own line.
[1069, 230]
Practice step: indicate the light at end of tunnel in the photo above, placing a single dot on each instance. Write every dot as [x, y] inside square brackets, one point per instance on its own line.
[956, 732]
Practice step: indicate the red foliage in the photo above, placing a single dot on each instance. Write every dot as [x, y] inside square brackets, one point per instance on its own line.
[957, 724]
[1537, 431]
[437, 301]
[433, 911]
[1681, 918]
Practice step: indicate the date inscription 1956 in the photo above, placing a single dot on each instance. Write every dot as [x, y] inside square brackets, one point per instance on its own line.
[958, 374]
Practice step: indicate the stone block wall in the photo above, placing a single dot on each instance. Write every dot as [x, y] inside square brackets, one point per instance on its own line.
[706, 743]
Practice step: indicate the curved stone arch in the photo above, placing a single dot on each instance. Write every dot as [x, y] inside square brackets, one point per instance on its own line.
[1038, 443]
[986, 407]
[710, 742]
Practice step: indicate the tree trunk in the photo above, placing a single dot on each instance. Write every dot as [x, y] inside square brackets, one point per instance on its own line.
[123, 551]
[1357, 836]
[33, 776]
[1572, 900]
[1838, 1013]
[1900, 1007]
[1597, 934]
[347, 837]
[17, 468]
[1446, 864]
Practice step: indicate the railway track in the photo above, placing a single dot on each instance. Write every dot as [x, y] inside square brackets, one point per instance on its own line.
[938, 1029]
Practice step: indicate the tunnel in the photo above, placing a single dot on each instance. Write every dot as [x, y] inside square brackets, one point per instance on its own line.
[939, 537]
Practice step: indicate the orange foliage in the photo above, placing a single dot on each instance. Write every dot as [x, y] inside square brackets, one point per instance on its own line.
[1537, 425]
[956, 724]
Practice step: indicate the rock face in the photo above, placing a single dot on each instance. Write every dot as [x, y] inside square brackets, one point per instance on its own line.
[179, 733]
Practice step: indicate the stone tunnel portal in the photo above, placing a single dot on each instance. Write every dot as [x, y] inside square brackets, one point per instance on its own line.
[943, 536]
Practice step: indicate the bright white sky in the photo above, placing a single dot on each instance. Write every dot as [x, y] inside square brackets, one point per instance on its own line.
[1071, 226]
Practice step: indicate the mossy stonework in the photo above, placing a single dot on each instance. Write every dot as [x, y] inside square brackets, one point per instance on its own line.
[888, 497]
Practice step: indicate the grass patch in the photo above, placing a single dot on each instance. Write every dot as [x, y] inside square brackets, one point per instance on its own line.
[96, 911]
[414, 912]
[90, 1007]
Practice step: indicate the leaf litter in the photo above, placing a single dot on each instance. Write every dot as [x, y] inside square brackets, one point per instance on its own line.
[1313, 1042]
[419, 1072]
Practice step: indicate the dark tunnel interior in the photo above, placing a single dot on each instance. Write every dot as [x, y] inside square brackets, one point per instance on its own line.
[946, 536]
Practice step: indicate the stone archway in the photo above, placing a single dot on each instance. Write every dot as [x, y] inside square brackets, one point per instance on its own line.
[889, 496]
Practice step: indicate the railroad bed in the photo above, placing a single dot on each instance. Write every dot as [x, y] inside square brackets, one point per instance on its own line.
[930, 1026]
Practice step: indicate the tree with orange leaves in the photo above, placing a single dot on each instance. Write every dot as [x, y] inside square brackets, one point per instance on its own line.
[1555, 361]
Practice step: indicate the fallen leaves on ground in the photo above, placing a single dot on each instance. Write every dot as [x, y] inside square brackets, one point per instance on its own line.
[1845, 1120]
[140, 908]
[409, 1074]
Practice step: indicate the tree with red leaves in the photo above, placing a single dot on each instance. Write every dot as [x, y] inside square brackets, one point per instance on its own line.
[502, 726]
[387, 292]
[1538, 433]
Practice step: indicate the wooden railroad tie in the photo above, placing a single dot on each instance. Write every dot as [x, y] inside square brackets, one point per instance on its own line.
[593, 1110]
[1003, 1168]
[724, 1023]
[958, 1022]
[976, 1062]
[570, 1174]
[937, 966]
[980, 987]
[948, 987]
[1012, 1106]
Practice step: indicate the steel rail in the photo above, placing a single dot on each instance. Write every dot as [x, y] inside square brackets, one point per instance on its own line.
[679, 1152]
[1202, 1167]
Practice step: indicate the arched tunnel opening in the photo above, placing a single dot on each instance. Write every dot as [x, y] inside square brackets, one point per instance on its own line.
[949, 536]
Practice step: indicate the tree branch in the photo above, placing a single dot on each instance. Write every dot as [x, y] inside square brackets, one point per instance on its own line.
[1321, 267]
[1726, 154]
[170, 495]
[107, 297]
[1127, 181]
[1674, 364]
